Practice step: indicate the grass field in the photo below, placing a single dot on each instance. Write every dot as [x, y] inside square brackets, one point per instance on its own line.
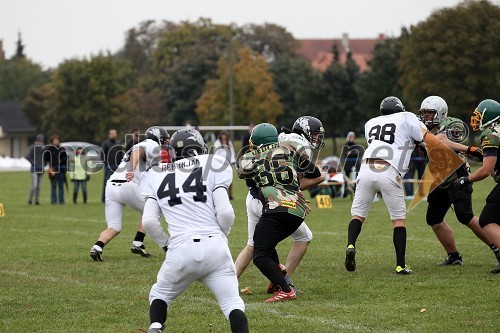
[48, 282]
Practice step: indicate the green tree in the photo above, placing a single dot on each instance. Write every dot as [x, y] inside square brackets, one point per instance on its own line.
[254, 98]
[269, 40]
[186, 57]
[454, 54]
[89, 98]
[293, 78]
[18, 76]
[382, 78]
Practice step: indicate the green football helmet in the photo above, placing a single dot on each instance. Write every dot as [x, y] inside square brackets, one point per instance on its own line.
[487, 113]
[263, 134]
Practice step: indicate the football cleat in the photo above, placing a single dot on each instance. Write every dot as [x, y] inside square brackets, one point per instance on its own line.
[141, 250]
[271, 287]
[495, 270]
[96, 254]
[156, 329]
[403, 271]
[282, 296]
[350, 258]
[451, 261]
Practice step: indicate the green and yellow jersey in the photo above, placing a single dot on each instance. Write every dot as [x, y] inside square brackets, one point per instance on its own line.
[275, 169]
[490, 144]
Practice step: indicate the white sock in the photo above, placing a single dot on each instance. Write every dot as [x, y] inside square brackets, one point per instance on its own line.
[155, 325]
[97, 247]
[137, 243]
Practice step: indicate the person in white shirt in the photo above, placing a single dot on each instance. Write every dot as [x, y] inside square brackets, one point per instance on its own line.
[122, 189]
[308, 132]
[192, 194]
[391, 138]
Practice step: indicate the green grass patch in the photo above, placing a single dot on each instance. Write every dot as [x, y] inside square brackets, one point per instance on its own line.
[48, 282]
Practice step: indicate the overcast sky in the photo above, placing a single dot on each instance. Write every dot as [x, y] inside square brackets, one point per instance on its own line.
[54, 30]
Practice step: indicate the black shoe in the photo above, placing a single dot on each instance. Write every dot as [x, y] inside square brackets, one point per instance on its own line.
[95, 254]
[29, 202]
[140, 250]
[403, 271]
[350, 258]
[156, 330]
[37, 203]
[451, 261]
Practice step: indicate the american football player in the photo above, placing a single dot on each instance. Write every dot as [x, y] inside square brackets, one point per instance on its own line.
[434, 114]
[192, 194]
[308, 132]
[122, 189]
[486, 117]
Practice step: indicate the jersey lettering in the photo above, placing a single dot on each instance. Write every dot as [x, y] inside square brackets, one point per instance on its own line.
[168, 188]
[383, 133]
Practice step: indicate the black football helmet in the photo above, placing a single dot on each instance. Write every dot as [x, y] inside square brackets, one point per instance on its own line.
[158, 134]
[187, 143]
[391, 105]
[312, 129]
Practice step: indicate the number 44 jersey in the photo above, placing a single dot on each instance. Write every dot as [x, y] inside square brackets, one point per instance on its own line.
[183, 190]
[392, 138]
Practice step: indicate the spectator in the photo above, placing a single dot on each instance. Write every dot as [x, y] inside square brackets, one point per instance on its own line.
[133, 138]
[113, 154]
[78, 174]
[224, 147]
[35, 157]
[418, 162]
[56, 157]
[245, 144]
[350, 155]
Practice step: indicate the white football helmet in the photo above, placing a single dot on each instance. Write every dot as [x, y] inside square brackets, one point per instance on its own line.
[433, 110]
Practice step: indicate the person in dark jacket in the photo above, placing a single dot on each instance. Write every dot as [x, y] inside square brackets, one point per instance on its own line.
[35, 157]
[56, 157]
[112, 150]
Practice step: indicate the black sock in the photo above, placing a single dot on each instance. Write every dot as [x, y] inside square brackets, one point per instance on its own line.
[455, 254]
[238, 321]
[158, 311]
[399, 239]
[99, 243]
[353, 231]
[271, 271]
[139, 236]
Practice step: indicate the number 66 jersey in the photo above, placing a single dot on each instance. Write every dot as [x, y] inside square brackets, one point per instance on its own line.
[183, 190]
[392, 138]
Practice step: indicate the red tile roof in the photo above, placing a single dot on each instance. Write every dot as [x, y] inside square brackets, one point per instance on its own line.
[318, 51]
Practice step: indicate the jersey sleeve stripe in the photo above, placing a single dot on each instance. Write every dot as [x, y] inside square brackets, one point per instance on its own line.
[219, 187]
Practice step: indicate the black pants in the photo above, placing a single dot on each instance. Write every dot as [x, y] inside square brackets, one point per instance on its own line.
[441, 199]
[490, 213]
[271, 229]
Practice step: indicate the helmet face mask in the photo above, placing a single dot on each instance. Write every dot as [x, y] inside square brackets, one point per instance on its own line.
[486, 114]
[311, 129]
[429, 117]
[433, 110]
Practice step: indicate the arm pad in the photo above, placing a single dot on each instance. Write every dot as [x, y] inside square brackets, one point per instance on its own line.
[223, 210]
[314, 174]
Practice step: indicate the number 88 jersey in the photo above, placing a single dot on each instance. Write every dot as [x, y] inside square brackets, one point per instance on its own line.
[183, 190]
[392, 138]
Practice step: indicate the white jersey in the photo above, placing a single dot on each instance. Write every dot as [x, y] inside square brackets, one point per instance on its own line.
[297, 138]
[392, 138]
[152, 151]
[183, 190]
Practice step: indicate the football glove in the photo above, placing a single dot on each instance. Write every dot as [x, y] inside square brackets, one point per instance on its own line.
[461, 183]
[475, 154]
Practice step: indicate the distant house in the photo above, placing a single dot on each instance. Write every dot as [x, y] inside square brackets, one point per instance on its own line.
[319, 51]
[16, 133]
